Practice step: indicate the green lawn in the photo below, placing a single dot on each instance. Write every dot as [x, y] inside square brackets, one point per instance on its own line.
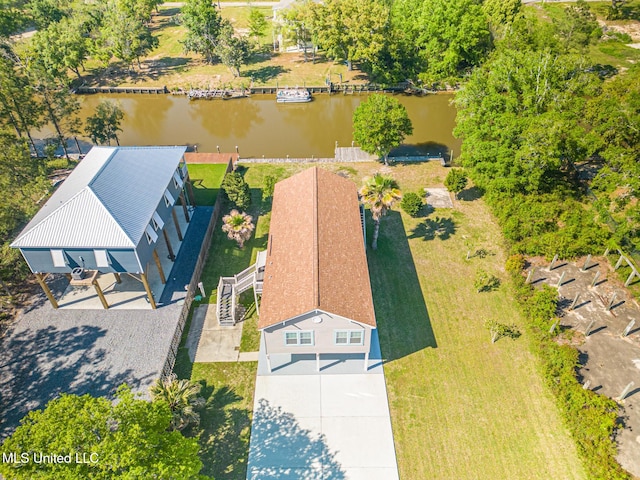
[206, 180]
[461, 407]
[225, 422]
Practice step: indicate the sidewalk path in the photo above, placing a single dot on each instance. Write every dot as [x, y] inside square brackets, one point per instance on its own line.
[208, 342]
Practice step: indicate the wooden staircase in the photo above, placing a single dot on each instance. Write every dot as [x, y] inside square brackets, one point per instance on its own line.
[228, 310]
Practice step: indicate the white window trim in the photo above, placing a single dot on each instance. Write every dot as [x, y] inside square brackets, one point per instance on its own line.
[102, 258]
[298, 334]
[58, 257]
[157, 221]
[169, 201]
[177, 181]
[152, 236]
[349, 342]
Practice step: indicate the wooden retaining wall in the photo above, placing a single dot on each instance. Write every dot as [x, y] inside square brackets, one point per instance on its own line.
[193, 285]
[147, 90]
[335, 88]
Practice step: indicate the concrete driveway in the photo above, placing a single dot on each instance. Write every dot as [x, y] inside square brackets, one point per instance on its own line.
[322, 426]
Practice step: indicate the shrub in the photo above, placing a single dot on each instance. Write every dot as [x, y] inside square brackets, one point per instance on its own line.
[515, 264]
[456, 181]
[499, 330]
[485, 282]
[269, 186]
[411, 203]
[237, 190]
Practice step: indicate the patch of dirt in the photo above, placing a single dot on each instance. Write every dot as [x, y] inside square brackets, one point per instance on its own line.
[609, 360]
[630, 27]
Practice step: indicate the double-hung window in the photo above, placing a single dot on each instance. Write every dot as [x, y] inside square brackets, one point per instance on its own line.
[349, 337]
[298, 338]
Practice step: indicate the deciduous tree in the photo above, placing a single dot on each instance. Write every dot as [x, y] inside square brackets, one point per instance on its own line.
[379, 124]
[128, 439]
[257, 24]
[232, 50]
[203, 24]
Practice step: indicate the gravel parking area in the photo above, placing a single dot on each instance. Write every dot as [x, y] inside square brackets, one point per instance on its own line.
[49, 351]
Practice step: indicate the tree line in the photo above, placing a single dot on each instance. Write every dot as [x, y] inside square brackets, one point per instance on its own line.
[533, 119]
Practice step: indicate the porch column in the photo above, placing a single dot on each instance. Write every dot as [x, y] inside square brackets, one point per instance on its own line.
[255, 297]
[100, 294]
[117, 275]
[145, 282]
[366, 361]
[45, 288]
[318, 362]
[176, 223]
[187, 182]
[269, 363]
[159, 265]
[184, 207]
[166, 239]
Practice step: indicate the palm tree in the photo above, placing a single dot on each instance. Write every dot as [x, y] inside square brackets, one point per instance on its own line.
[379, 193]
[182, 398]
[238, 226]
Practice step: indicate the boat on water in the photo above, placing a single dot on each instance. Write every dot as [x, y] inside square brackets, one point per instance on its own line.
[293, 95]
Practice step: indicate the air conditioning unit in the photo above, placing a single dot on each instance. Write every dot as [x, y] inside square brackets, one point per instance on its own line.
[77, 273]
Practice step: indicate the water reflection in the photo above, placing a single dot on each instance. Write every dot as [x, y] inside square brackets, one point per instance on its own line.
[260, 126]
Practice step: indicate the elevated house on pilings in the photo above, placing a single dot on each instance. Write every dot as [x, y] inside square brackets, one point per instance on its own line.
[110, 216]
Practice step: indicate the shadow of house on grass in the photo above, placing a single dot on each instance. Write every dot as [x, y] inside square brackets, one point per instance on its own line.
[224, 435]
[282, 450]
[40, 365]
[404, 326]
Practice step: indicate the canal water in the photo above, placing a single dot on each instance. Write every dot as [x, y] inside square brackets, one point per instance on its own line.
[259, 126]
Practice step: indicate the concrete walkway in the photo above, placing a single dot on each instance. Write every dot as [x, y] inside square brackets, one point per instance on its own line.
[207, 341]
[322, 426]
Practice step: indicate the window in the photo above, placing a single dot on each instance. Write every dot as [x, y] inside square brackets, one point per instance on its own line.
[58, 258]
[349, 337]
[150, 234]
[157, 221]
[298, 337]
[168, 199]
[177, 181]
[102, 259]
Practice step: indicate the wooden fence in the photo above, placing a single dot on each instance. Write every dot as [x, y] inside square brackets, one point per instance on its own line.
[193, 285]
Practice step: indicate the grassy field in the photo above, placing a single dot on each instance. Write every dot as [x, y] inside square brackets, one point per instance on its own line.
[168, 65]
[608, 51]
[206, 181]
[461, 407]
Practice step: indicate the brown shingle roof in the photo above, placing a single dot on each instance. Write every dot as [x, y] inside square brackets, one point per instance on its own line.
[316, 257]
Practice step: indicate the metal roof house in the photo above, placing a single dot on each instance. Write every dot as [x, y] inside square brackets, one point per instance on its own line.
[316, 292]
[108, 216]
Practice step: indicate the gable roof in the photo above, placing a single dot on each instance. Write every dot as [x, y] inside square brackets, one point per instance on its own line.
[107, 201]
[316, 255]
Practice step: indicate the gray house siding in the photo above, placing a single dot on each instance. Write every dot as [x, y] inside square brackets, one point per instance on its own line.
[144, 249]
[120, 260]
[323, 334]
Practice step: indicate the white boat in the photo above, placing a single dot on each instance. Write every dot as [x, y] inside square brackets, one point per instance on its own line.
[293, 95]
